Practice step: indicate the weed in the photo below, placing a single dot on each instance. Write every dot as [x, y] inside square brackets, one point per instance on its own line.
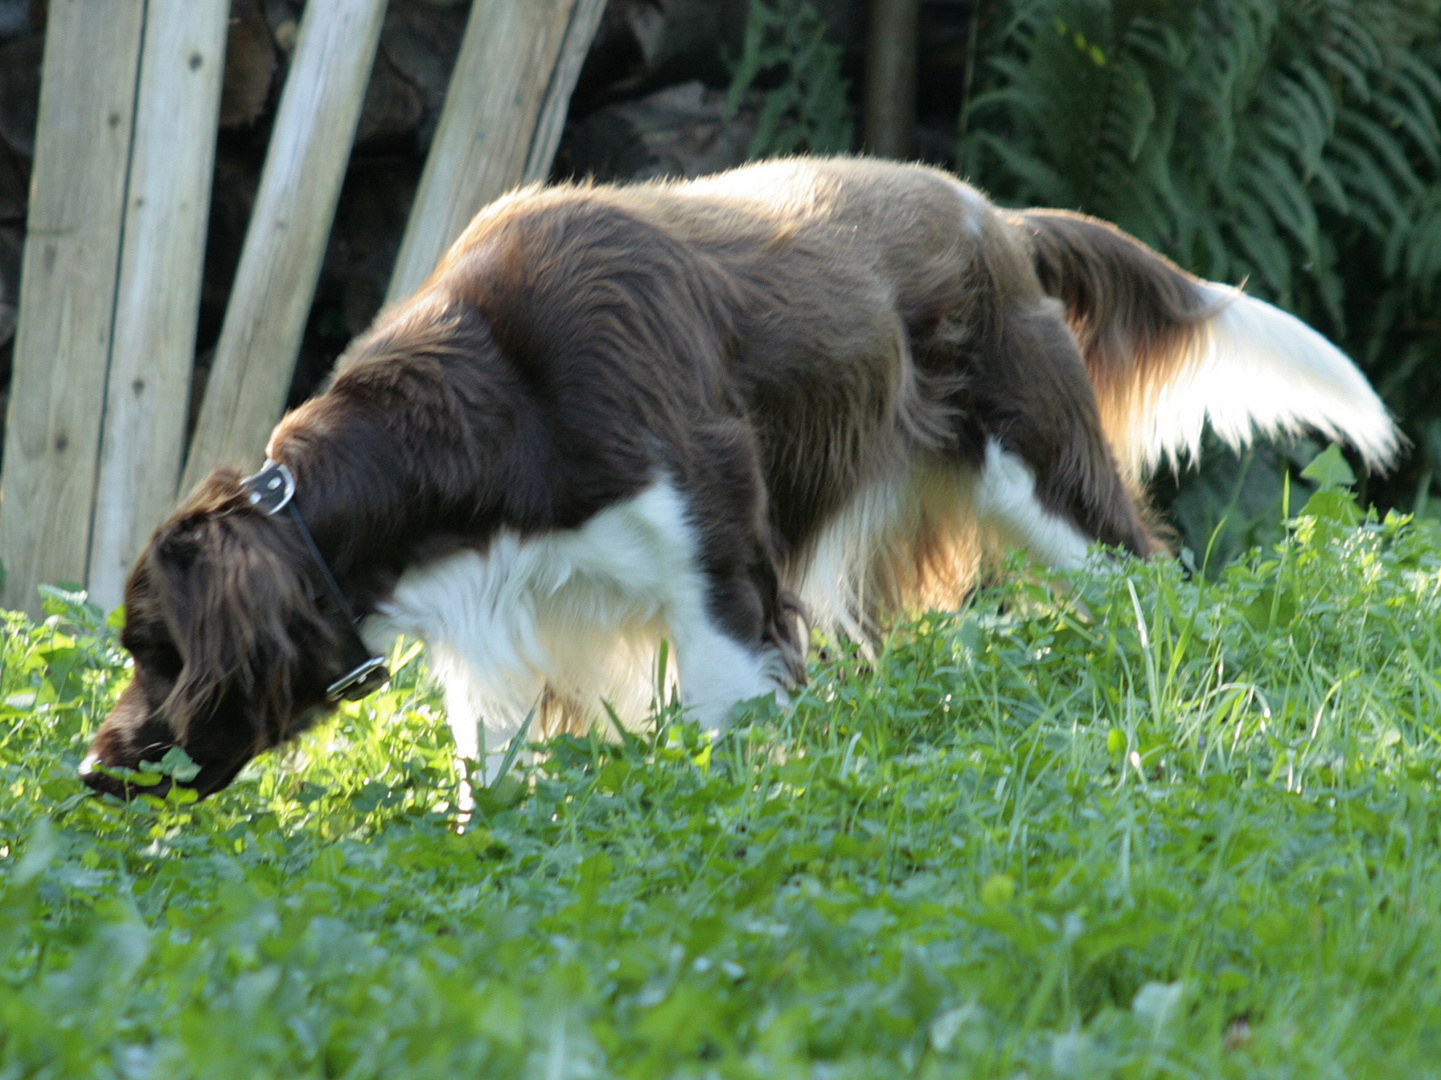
[1137, 822]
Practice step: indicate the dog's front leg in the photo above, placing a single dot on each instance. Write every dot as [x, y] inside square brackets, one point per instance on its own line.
[737, 636]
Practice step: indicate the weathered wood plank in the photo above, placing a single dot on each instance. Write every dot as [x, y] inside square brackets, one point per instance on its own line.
[294, 208]
[158, 296]
[501, 123]
[580, 32]
[67, 292]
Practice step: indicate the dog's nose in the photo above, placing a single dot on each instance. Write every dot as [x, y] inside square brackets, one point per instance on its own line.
[96, 776]
[98, 781]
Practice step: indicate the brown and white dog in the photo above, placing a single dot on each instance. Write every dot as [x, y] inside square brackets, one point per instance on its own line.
[693, 411]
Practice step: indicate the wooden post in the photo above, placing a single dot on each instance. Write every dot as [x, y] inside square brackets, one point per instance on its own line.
[67, 292]
[285, 242]
[890, 98]
[502, 120]
[158, 297]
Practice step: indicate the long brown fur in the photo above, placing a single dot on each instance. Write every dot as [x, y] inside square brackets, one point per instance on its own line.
[1133, 313]
[779, 342]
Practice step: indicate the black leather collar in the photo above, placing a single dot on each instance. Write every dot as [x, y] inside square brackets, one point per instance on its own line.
[272, 490]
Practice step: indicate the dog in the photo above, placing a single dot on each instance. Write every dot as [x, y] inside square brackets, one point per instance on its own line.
[706, 411]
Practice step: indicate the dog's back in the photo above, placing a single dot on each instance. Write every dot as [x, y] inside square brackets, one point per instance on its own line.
[853, 313]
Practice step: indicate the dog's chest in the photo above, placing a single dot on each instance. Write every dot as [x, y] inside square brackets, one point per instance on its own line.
[623, 567]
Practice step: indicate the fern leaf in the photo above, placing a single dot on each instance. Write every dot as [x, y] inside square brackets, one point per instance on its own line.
[1043, 184]
[1372, 194]
[1332, 191]
[1353, 39]
[1347, 68]
[1261, 243]
[1425, 76]
[1409, 110]
[1277, 186]
[1386, 147]
[1300, 122]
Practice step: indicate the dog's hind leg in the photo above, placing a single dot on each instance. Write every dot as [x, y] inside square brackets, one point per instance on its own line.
[1048, 479]
[1006, 505]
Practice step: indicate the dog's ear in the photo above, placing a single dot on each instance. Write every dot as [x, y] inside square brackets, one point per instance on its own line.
[235, 602]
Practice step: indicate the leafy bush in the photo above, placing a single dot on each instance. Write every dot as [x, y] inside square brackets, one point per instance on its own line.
[1146, 823]
[1292, 143]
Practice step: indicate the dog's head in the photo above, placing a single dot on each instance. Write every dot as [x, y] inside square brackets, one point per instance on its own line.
[231, 646]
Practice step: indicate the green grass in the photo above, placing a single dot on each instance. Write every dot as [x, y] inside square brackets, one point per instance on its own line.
[1146, 823]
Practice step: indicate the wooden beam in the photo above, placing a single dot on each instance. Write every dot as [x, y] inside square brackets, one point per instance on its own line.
[158, 297]
[285, 243]
[67, 292]
[890, 90]
[502, 120]
[585, 16]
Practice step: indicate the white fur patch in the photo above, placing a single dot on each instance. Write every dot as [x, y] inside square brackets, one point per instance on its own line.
[874, 537]
[1006, 502]
[916, 538]
[579, 611]
[832, 582]
[977, 210]
[1258, 369]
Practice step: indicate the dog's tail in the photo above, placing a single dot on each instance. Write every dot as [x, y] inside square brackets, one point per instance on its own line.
[1168, 352]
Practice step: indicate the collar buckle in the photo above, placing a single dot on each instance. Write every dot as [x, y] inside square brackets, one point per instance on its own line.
[271, 489]
[360, 681]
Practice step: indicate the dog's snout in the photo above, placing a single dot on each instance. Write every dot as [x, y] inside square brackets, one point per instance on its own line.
[124, 750]
[123, 780]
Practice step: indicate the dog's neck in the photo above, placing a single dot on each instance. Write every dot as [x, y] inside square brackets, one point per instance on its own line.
[376, 502]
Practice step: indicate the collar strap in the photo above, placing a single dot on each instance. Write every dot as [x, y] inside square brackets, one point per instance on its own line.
[272, 490]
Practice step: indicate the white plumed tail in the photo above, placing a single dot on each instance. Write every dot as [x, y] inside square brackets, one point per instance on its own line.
[1169, 353]
[1253, 369]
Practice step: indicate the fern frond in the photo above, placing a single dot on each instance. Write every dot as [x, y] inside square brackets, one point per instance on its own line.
[1261, 243]
[1300, 121]
[1294, 142]
[1037, 177]
[1367, 183]
[1386, 147]
[807, 110]
[1330, 192]
[1279, 186]
[1422, 249]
